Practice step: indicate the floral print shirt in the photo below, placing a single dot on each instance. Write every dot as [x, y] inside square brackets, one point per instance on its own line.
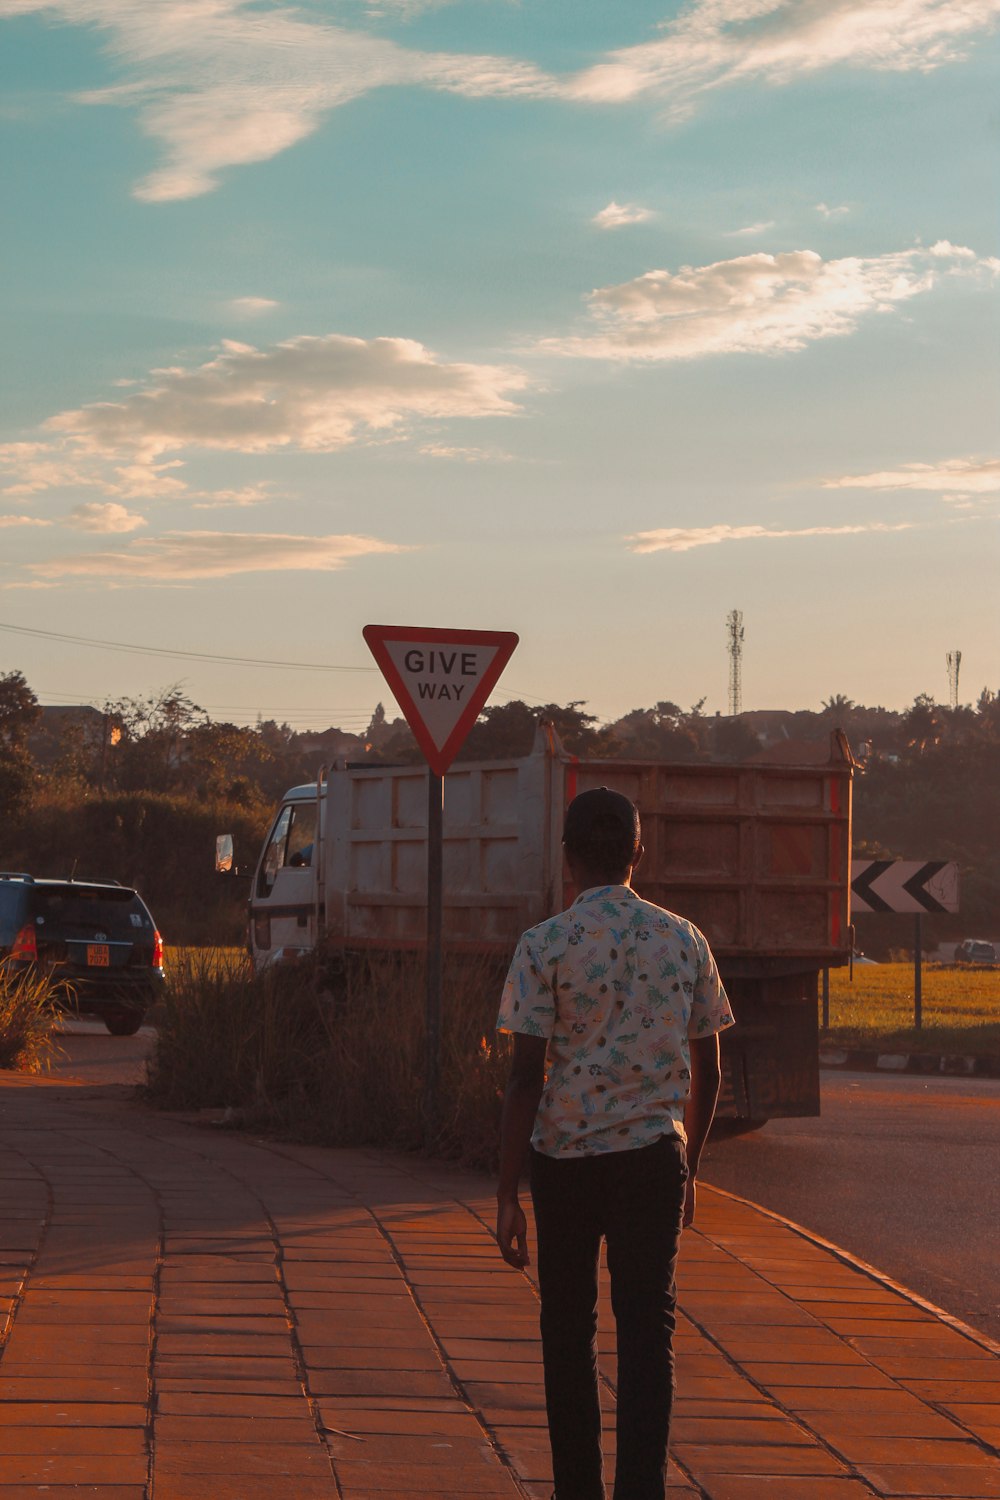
[617, 986]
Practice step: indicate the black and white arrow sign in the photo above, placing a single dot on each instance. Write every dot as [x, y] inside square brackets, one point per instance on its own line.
[903, 885]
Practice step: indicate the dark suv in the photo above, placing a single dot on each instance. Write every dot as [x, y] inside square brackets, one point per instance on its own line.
[98, 942]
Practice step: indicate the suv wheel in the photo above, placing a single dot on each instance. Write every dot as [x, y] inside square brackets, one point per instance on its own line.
[125, 1022]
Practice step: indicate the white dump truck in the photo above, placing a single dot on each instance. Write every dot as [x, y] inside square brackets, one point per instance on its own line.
[757, 856]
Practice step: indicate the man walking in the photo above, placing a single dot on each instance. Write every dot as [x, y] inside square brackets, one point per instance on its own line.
[615, 1006]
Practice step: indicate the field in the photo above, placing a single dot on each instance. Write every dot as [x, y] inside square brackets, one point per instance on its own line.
[961, 1006]
[961, 1009]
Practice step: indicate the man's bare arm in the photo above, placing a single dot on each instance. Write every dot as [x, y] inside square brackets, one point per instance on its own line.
[520, 1106]
[706, 1077]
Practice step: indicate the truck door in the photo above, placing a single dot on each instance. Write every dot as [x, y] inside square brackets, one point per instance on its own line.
[283, 905]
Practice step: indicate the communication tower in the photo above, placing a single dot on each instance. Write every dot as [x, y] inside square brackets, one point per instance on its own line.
[734, 628]
[954, 660]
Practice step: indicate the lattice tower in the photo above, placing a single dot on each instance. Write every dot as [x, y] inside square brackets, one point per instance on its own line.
[954, 660]
[734, 627]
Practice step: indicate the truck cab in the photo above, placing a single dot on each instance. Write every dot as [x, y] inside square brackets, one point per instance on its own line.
[283, 903]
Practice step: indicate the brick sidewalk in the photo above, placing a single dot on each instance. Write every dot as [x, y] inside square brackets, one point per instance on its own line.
[191, 1314]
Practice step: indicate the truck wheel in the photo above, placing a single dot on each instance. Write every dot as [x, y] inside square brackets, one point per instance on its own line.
[124, 1022]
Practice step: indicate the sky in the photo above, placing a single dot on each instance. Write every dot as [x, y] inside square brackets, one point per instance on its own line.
[589, 322]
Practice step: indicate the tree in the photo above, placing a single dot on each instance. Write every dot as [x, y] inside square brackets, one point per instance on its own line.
[988, 714]
[507, 731]
[18, 777]
[923, 725]
[19, 710]
[225, 760]
[665, 732]
[733, 739]
[504, 732]
[839, 708]
[148, 736]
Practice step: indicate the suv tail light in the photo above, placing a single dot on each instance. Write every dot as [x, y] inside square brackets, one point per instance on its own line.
[157, 950]
[26, 944]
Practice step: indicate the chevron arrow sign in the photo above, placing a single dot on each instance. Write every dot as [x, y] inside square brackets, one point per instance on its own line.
[903, 885]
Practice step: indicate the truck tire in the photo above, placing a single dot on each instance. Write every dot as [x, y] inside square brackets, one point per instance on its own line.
[123, 1022]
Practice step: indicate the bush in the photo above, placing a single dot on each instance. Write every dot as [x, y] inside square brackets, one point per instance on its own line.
[163, 845]
[27, 1018]
[335, 1058]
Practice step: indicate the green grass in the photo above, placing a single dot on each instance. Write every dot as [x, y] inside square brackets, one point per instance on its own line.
[961, 1009]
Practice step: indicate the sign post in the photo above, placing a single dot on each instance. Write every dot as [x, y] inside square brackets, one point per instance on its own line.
[435, 925]
[905, 885]
[441, 680]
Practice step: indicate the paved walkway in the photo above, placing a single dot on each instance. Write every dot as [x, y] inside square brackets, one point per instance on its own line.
[192, 1314]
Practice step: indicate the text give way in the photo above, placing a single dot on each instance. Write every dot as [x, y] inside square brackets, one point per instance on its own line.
[440, 679]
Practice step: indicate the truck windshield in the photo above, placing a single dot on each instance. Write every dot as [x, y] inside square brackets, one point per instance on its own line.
[291, 843]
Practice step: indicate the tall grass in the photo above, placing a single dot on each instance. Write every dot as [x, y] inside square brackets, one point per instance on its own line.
[335, 1058]
[27, 1018]
[961, 1009]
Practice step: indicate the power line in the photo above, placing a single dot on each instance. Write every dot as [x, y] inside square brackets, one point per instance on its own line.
[240, 661]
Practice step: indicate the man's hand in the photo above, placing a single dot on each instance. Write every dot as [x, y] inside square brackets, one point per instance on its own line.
[520, 1105]
[512, 1229]
[690, 1202]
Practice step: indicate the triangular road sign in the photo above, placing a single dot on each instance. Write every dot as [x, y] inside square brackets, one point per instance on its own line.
[441, 679]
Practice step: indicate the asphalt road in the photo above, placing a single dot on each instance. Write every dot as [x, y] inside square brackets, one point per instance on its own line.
[902, 1172]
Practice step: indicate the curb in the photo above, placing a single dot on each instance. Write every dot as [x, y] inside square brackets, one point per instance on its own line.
[977, 1337]
[961, 1065]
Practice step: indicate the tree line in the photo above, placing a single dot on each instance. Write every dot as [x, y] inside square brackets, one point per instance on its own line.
[135, 789]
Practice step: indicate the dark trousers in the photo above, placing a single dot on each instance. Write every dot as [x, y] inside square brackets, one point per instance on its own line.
[634, 1201]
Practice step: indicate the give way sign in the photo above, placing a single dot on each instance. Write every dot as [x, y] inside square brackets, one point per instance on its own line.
[441, 680]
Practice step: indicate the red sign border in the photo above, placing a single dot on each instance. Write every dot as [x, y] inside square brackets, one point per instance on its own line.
[439, 758]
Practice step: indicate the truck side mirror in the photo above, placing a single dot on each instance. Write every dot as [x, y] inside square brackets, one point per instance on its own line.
[224, 858]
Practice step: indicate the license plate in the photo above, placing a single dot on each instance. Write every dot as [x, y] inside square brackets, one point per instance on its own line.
[98, 955]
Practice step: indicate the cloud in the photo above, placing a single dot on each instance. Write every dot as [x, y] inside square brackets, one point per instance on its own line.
[958, 476]
[248, 494]
[35, 467]
[183, 555]
[109, 517]
[23, 521]
[683, 539]
[616, 215]
[757, 303]
[312, 394]
[718, 43]
[751, 229]
[832, 213]
[225, 83]
[251, 307]
[465, 455]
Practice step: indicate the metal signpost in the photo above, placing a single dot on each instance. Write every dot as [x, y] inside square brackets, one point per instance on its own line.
[903, 885]
[441, 680]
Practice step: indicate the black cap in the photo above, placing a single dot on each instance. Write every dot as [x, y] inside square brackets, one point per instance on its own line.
[603, 823]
